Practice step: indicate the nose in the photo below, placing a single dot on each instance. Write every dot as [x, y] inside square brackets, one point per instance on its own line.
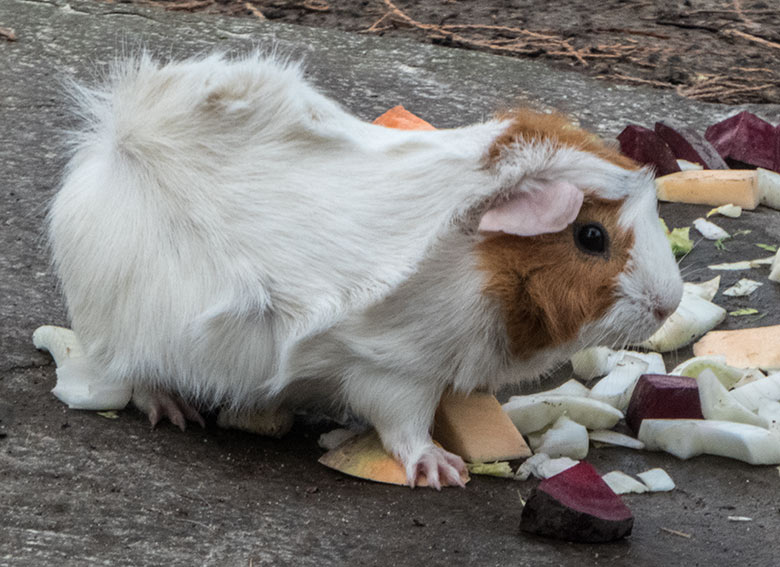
[661, 313]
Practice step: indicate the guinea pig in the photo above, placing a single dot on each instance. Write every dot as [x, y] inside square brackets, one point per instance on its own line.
[225, 235]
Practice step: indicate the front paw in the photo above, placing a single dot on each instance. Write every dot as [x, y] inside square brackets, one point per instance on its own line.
[437, 467]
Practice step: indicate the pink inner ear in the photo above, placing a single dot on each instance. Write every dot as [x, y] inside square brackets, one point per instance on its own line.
[550, 209]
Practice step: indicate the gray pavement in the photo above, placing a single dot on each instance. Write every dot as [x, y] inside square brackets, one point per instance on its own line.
[79, 489]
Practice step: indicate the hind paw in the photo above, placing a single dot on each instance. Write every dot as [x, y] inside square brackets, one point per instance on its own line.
[159, 405]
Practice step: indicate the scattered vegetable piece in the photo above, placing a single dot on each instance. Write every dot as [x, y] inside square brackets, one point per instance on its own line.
[111, 414]
[616, 387]
[717, 403]
[733, 266]
[686, 438]
[659, 396]
[542, 466]
[770, 411]
[576, 505]
[739, 519]
[592, 362]
[774, 271]
[271, 423]
[742, 312]
[536, 411]
[713, 187]
[693, 367]
[710, 230]
[687, 144]
[571, 388]
[363, 456]
[692, 318]
[731, 210]
[657, 480]
[679, 239]
[744, 139]
[621, 483]
[686, 165]
[750, 395]
[767, 247]
[706, 290]
[742, 288]
[79, 385]
[499, 468]
[476, 428]
[564, 439]
[614, 438]
[758, 347]
[645, 146]
[769, 187]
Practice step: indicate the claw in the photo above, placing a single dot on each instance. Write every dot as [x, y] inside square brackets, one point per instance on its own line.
[159, 405]
[438, 467]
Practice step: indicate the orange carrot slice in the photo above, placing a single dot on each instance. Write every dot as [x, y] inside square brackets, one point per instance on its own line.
[400, 118]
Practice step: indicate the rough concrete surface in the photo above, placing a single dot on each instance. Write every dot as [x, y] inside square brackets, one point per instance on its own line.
[77, 488]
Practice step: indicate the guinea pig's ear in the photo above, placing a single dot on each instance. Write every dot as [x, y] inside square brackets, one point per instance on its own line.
[549, 208]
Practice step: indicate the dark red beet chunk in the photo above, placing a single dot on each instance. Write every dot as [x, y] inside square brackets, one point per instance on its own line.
[576, 505]
[645, 146]
[744, 140]
[686, 143]
[659, 396]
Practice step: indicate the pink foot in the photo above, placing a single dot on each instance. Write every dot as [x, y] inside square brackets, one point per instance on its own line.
[159, 405]
[438, 467]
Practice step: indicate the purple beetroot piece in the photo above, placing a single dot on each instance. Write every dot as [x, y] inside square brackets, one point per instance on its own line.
[686, 143]
[659, 396]
[576, 505]
[645, 146]
[744, 140]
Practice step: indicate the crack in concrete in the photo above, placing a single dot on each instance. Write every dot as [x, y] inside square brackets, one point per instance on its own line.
[20, 368]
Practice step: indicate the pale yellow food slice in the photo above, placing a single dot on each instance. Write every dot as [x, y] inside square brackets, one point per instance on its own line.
[710, 187]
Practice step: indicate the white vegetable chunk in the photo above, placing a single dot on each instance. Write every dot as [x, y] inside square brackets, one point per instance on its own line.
[686, 165]
[564, 439]
[750, 395]
[716, 363]
[742, 288]
[692, 319]
[614, 438]
[657, 480]
[774, 271]
[534, 412]
[621, 483]
[706, 290]
[616, 387]
[717, 402]
[78, 383]
[730, 210]
[335, 437]
[686, 438]
[592, 362]
[768, 187]
[570, 388]
[710, 230]
[542, 466]
[770, 411]
[741, 265]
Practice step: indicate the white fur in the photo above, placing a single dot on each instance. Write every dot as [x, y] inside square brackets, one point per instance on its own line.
[227, 233]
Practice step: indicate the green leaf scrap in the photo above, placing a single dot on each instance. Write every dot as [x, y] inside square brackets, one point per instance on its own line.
[499, 468]
[767, 247]
[679, 239]
[108, 414]
[745, 311]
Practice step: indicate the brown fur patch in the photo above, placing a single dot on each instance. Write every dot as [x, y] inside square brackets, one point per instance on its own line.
[529, 125]
[546, 286]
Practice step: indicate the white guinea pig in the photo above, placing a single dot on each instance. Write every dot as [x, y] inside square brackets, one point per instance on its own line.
[226, 235]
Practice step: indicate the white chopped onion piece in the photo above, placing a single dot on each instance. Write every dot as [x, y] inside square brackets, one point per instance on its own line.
[542, 466]
[537, 411]
[657, 480]
[706, 290]
[616, 387]
[621, 483]
[774, 271]
[710, 230]
[770, 411]
[717, 403]
[570, 388]
[78, 383]
[768, 187]
[592, 362]
[686, 438]
[686, 165]
[730, 210]
[692, 319]
[716, 363]
[750, 395]
[742, 288]
[614, 438]
[564, 439]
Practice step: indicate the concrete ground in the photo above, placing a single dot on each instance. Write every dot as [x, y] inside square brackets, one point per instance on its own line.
[77, 488]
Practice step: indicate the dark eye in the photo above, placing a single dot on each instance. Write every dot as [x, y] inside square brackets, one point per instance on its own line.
[591, 238]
